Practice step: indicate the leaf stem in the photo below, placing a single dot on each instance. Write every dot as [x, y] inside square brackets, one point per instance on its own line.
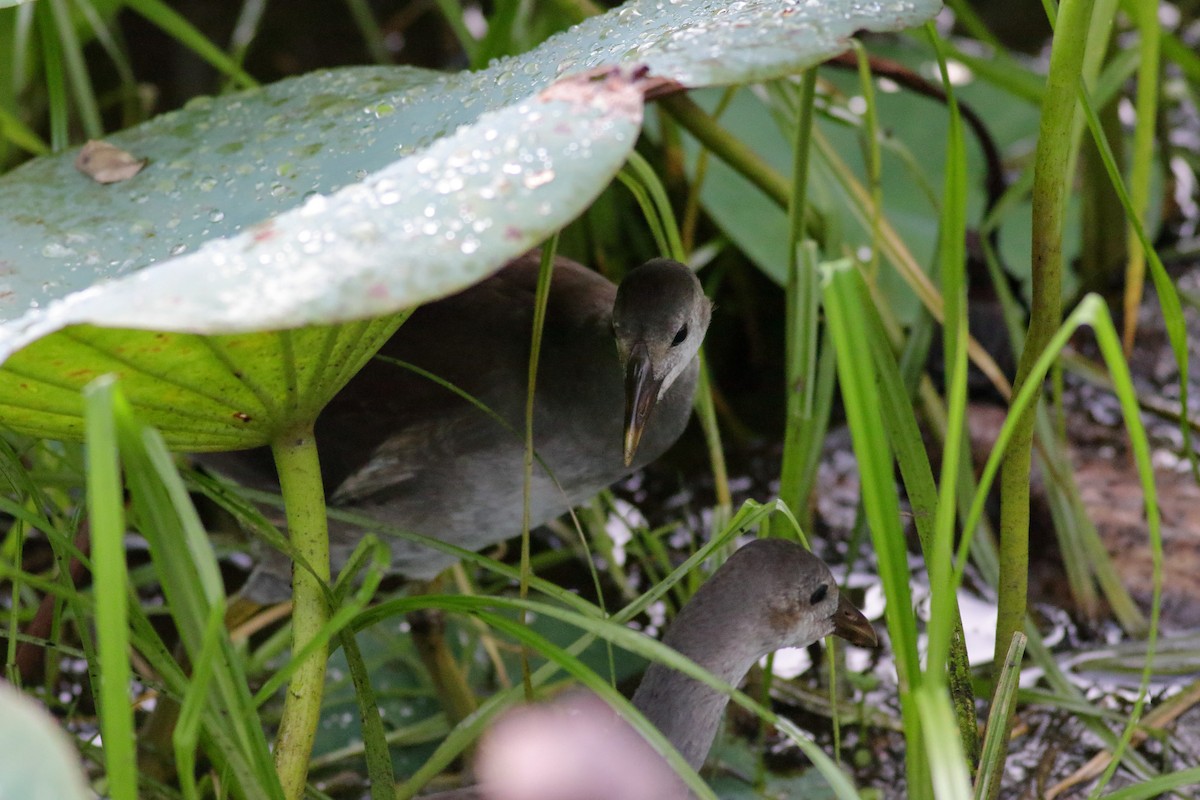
[1049, 216]
[295, 452]
[728, 148]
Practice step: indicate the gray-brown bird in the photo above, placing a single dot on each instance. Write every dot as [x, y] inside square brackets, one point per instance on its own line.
[614, 390]
[770, 594]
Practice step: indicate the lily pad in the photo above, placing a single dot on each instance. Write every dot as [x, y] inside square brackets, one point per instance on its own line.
[417, 229]
[339, 196]
[37, 761]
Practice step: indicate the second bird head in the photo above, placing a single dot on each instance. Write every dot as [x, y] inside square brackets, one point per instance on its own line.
[659, 320]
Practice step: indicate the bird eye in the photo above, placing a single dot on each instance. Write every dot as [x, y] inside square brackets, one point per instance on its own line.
[679, 337]
[819, 595]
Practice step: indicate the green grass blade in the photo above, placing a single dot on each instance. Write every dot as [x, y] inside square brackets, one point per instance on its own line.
[947, 761]
[1002, 71]
[56, 81]
[369, 547]
[904, 434]
[186, 736]
[809, 383]
[642, 182]
[232, 734]
[1157, 787]
[115, 49]
[1182, 55]
[803, 432]
[872, 155]
[843, 292]
[106, 510]
[1110, 347]
[952, 261]
[77, 71]
[1168, 295]
[379, 760]
[178, 28]
[500, 39]
[12, 129]
[452, 12]
[368, 28]
[1145, 17]
[995, 741]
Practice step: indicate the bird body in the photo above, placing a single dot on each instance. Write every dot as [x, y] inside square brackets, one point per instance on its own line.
[404, 450]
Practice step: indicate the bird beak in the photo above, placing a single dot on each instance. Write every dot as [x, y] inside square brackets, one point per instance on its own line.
[850, 624]
[641, 393]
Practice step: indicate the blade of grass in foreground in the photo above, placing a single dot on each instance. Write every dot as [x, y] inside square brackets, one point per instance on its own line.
[941, 662]
[947, 762]
[186, 736]
[1156, 787]
[106, 509]
[904, 434]
[860, 398]
[379, 762]
[231, 731]
[1168, 295]
[995, 742]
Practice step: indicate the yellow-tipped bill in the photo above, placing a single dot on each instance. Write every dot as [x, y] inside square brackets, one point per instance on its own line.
[641, 393]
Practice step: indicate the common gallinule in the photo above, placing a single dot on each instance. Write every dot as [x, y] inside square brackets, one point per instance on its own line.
[770, 594]
[614, 390]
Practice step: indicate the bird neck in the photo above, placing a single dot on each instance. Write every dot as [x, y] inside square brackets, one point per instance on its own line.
[685, 710]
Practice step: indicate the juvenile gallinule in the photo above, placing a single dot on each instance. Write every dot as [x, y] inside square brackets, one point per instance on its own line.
[770, 594]
[614, 390]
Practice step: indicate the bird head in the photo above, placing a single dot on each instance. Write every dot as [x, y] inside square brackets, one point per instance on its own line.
[801, 601]
[659, 320]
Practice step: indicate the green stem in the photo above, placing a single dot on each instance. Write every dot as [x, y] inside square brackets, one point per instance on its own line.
[706, 412]
[749, 164]
[304, 498]
[369, 30]
[541, 301]
[1051, 180]
[575, 11]
[801, 321]
[1146, 18]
